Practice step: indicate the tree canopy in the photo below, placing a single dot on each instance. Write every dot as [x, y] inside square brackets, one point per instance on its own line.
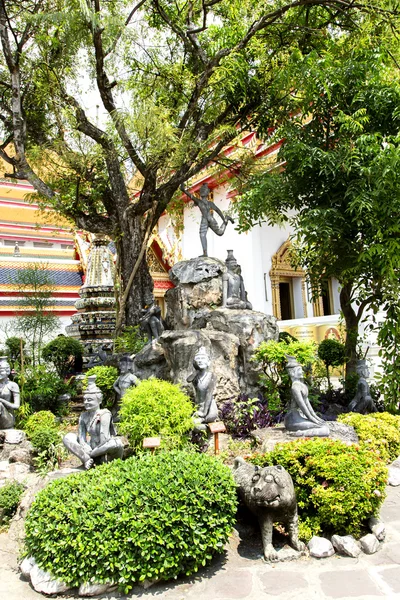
[175, 83]
[340, 175]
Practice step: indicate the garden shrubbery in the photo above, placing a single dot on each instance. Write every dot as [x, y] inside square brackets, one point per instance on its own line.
[10, 497]
[379, 432]
[153, 408]
[105, 379]
[45, 435]
[338, 487]
[154, 517]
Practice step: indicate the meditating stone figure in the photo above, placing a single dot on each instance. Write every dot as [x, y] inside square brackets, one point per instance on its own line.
[9, 396]
[203, 381]
[103, 445]
[301, 419]
[362, 401]
[207, 219]
[151, 320]
[233, 291]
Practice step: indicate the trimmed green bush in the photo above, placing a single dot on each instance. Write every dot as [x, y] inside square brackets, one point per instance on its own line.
[158, 516]
[43, 419]
[379, 432]
[63, 352]
[105, 378]
[338, 487]
[10, 497]
[156, 408]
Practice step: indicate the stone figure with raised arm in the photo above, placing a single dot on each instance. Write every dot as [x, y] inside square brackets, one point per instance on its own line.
[9, 396]
[233, 291]
[125, 380]
[362, 401]
[151, 320]
[207, 219]
[95, 423]
[203, 380]
[301, 419]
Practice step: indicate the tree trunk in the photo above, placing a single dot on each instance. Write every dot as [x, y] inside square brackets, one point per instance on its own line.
[351, 320]
[129, 246]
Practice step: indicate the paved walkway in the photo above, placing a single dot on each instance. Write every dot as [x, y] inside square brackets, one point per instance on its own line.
[241, 574]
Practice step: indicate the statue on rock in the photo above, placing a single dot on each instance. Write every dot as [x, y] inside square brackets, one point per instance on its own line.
[362, 401]
[203, 381]
[9, 396]
[269, 494]
[234, 294]
[301, 420]
[151, 320]
[207, 219]
[103, 445]
[125, 380]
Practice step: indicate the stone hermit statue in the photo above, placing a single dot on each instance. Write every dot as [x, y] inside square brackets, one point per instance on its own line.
[362, 401]
[125, 380]
[9, 396]
[207, 219]
[270, 495]
[301, 419]
[151, 320]
[233, 291]
[95, 423]
[203, 381]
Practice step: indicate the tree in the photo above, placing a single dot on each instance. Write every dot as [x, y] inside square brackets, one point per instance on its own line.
[341, 177]
[176, 82]
[36, 319]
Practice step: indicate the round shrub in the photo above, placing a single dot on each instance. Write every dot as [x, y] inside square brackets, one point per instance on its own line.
[337, 486]
[105, 379]
[154, 517]
[379, 432]
[63, 352]
[156, 408]
[43, 439]
[43, 419]
[10, 497]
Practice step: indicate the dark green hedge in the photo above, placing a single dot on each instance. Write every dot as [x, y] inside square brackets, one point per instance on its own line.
[157, 516]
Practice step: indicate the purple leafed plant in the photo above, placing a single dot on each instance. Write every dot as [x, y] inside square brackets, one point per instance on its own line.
[244, 414]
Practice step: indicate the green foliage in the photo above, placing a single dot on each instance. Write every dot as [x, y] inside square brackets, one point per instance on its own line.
[13, 351]
[388, 382]
[156, 408]
[158, 516]
[130, 341]
[43, 419]
[337, 486]
[42, 390]
[333, 354]
[62, 352]
[35, 287]
[379, 432]
[10, 497]
[105, 379]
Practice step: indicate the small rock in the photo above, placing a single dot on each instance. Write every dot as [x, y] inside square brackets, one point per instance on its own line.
[20, 455]
[45, 583]
[26, 566]
[146, 583]
[95, 589]
[394, 476]
[320, 547]
[346, 544]
[377, 527]
[369, 544]
[14, 436]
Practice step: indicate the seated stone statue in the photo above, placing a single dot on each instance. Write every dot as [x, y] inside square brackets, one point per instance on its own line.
[9, 396]
[362, 401]
[103, 445]
[301, 419]
[203, 381]
[151, 320]
[125, 380]
[233, 291]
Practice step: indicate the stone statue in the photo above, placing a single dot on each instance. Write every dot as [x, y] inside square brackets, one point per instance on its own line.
[270, 495]
[151, 320]
[362, 401]
[207, 219]
[103, 445]
[9, 396]
[203, 381]
[301, 419]
[125, 380]
[97, 358]
[234, 294]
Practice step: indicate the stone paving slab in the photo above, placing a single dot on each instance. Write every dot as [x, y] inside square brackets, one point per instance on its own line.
[241, 574]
